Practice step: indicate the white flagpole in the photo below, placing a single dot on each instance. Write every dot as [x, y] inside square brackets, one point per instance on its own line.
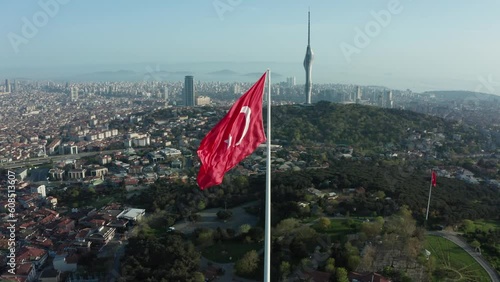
[267, 247]
[429, 201]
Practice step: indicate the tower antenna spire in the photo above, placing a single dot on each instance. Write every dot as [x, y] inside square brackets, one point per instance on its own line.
[309, 26]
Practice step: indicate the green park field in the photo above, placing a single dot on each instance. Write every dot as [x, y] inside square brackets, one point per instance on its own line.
[453, 263]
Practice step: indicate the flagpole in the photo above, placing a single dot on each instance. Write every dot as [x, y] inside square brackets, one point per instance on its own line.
[429, 201]
[267, 247]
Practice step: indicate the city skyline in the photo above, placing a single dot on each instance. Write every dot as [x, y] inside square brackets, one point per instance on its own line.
[417, 45]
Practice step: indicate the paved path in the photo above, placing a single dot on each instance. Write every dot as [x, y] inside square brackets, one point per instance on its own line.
[209, 219]
[452, 236]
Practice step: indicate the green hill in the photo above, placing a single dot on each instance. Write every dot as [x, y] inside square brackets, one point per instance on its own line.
[357, 125]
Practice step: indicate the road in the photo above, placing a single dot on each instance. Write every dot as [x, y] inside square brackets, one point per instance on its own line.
[39, 161]
[455, 239]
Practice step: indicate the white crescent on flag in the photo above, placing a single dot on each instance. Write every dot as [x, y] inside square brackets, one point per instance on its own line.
[247, 111]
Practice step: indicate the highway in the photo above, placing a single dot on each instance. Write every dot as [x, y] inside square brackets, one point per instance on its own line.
[57, 158]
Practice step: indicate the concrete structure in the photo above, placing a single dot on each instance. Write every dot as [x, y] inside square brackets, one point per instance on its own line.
[132, 214]
[358, 95]
[7, 86]
[389, 103]
[68, 149]
[39, 190]
[51, 148]
[56, 174]
[308, 62]
[77, 173]
[74, 93]
[203, 100]
[165, 93]
[189, 96]
[99, 171]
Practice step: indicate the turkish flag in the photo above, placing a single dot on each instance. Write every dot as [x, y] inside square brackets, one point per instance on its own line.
[434, 178]
[235, 137]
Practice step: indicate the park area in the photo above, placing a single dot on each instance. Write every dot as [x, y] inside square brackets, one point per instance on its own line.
[230, 251]
[453, 263]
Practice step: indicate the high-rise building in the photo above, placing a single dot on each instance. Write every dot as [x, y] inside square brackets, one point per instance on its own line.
[308, 61]
[290, 81]
[236, 89]
[7, 86]
[74, 93]
[189, 97]
[389, 103]
[165, 93]
[358, 95]
[14, 86]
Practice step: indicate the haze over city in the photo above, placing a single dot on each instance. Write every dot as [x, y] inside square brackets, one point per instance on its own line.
[421, 45]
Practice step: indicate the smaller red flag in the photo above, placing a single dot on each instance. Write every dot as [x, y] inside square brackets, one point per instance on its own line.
[434, 177]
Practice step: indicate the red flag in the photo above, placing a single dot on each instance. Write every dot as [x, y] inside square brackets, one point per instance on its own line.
[434, 177]
[235, 137]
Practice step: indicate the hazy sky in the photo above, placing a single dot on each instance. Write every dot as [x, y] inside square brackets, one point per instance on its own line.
[425, 45]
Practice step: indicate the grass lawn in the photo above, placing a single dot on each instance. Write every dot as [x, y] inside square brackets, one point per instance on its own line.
[221, 252]
[486, 225]
[340, 227]
[453, 263]
[309, 219]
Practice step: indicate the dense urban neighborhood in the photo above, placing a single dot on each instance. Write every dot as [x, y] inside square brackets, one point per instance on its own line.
[99, 177]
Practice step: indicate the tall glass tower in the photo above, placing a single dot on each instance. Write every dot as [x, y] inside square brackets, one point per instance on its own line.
[189, 99]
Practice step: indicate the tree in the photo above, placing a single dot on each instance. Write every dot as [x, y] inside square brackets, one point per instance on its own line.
[341, 275]
[287, 225]
[205, 237]
[475, 244]
[353, 261]
[306, 264]
[330, 265]
[245, 228]
[324, 223]
[198, 277]
[284, 270]
[224, 214]
[201, 205]
[248, 264]
[256, 234]
[174, 259]
[380, 195]
[468, 226]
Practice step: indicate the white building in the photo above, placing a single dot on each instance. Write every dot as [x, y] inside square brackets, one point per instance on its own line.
[39, 190]
[132, 214]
